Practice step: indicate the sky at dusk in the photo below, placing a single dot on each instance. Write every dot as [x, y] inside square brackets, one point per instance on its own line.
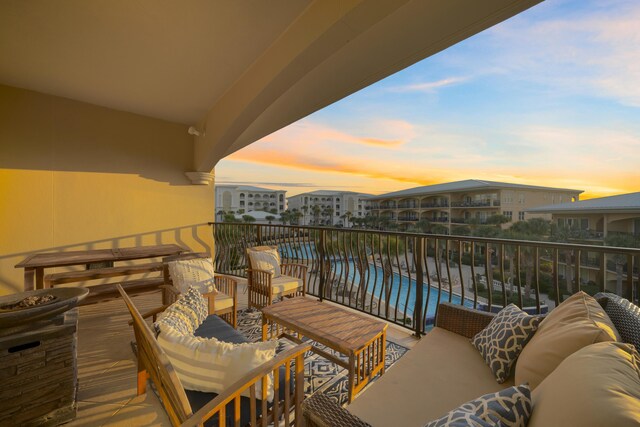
[550, 97]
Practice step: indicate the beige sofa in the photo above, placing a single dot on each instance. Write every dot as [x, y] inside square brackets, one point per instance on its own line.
[443, 371]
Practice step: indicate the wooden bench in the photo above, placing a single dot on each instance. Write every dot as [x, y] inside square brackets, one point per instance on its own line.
[36, 264]
[225, 408]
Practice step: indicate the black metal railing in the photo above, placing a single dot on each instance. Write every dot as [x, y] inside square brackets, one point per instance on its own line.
[401, 277]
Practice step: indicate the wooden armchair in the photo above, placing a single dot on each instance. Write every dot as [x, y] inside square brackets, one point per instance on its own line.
[229, 407]
[223, 302]
[264, 288]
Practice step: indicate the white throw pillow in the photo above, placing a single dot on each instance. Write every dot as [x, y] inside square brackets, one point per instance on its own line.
[193, 272]
[210, 365]
[268, 260]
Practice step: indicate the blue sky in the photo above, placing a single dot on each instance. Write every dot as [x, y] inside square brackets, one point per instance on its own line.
[549, 97]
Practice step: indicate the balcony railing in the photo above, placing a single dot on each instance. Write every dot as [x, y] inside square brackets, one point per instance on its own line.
[409, 205]
[434, 205]
[476, 204]
[401, 277]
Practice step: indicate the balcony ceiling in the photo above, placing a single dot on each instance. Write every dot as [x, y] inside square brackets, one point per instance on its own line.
[238, 69]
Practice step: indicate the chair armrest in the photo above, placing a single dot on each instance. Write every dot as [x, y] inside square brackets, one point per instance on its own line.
[251, 378]
[320, 411]
[226, 284]
[462, 320]
[294, 270]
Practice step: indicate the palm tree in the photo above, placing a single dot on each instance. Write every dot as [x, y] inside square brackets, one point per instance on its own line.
[248, 218]
[348, 216]
[285, 216]
[316, 211]
[221, 214]
[269, 218]
[295, 217]
[305, 210]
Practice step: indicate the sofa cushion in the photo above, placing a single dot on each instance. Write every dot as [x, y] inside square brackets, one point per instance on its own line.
[222, 301]
[210, 365]
[265, 258]
[214, 327]
[441, 372]
[624, 315]
[193, 272]
[510, 407]
[576, 323]
[285, 284]
[501, 342]
[598, 385]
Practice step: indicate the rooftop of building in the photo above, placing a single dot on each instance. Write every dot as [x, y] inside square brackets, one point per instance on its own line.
[247, 188]
[468, 184]
[331, 193]
[622, 202]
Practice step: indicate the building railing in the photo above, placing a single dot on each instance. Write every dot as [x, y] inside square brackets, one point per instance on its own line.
[434, 205]
[475, 204]
[405, 205]
[401, 277]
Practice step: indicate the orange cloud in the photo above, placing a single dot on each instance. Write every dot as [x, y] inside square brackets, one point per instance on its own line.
[308, 163]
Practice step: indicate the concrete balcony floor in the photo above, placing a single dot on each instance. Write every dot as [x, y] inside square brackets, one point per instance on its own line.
[107, 367]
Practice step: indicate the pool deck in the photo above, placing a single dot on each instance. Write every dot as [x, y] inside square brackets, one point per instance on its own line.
[107, 367]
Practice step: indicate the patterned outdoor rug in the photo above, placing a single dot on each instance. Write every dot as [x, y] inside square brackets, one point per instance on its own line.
[320, 374]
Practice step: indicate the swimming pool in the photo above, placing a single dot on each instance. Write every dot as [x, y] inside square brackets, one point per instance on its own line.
[402, 289]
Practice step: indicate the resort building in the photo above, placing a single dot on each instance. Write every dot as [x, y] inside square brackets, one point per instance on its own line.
[244, 198]
[323, 207]
[597, 218]
[613, 220]
[463, 202]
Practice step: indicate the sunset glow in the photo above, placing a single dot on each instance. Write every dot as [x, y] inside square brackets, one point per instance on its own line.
[550, 97]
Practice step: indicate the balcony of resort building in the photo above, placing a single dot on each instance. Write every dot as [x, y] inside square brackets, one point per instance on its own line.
[474, 200]
[112, 119]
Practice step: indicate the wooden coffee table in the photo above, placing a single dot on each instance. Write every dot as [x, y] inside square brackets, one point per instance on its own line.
[361, 339]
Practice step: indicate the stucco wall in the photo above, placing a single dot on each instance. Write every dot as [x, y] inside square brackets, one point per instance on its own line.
[76, 176]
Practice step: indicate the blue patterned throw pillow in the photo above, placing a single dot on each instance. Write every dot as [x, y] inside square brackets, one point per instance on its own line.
[510, 407]
[625, 317]
[501, 342]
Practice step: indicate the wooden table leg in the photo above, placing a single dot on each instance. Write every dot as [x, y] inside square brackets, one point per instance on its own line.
[352, 374]
[39, 277]
[29, 275]
[265, 328]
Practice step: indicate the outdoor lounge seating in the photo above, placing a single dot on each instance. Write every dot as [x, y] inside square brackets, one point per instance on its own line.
[222, 302]
[237, 405]
[444, 370]
[268, 279]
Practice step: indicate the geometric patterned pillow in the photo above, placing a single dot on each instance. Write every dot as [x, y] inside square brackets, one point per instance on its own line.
[625, 317]
[509, 407]
[186, 314]
[501, 342]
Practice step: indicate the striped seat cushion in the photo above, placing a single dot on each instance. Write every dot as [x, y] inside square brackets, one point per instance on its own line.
[210, 365]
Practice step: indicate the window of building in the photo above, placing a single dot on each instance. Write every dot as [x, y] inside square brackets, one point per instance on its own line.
[520, 216]
[584, 223]
[508, 214]
[521, 198]
[242, 195]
